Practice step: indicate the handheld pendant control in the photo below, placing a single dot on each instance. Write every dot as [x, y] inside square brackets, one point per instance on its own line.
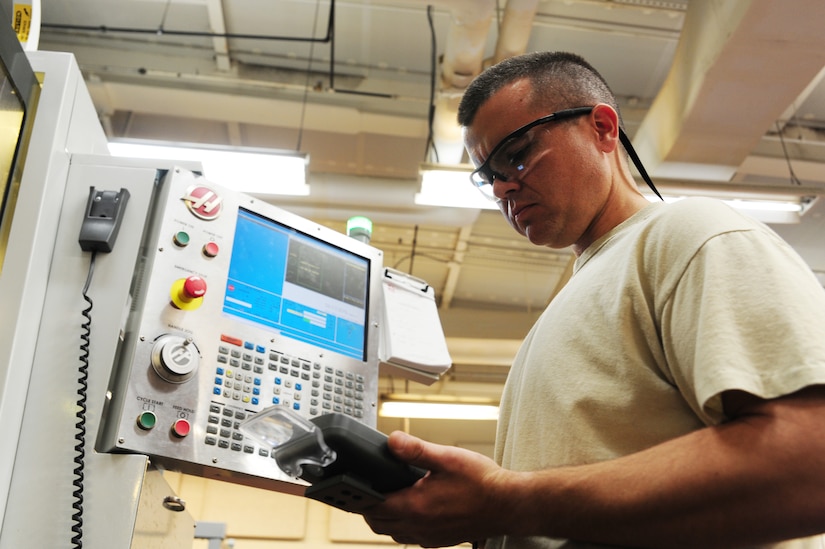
[347, 464]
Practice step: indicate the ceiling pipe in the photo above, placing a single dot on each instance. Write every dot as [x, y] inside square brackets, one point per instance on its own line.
[516, 25]
[464, 50]
[464, 59]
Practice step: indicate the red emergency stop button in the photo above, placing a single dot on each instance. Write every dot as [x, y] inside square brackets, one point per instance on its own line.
[181, 428]
[210, 249]
[187, 293]
[194, 286]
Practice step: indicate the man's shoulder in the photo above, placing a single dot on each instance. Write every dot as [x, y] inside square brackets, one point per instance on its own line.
[673, 233]
[698, 217]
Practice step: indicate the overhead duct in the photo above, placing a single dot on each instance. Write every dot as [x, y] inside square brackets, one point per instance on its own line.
[735, 71]
[516, 25]
[464, 60]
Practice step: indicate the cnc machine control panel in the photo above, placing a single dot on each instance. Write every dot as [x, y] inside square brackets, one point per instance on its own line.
[238, 306]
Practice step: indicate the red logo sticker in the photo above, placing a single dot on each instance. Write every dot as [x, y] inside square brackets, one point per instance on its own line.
[203, 202]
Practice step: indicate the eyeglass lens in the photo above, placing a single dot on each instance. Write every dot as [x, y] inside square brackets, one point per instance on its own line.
[512, 159]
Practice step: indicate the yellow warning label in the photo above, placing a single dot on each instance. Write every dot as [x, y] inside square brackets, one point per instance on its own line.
[22, 21]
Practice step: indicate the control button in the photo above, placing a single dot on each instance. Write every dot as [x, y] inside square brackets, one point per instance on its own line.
[210, 249]
[187, 293]
[194, 287]
[233, 340]
[181, 428]
[147, 420]
[181, 239]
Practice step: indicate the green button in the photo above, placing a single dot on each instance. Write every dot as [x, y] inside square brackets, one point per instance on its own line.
[181, 238]
[147, 420]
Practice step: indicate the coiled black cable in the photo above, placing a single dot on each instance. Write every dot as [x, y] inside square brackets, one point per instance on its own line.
[80, 435]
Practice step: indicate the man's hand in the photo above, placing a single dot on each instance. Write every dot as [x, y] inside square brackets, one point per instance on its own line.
[459, 500]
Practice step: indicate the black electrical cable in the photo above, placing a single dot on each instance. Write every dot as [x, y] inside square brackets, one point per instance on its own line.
[412, 251]
[794, 180]
[160, 31]
[80, 435]
[165, 13]
[433, 72]
[331, 35]
[309, 72]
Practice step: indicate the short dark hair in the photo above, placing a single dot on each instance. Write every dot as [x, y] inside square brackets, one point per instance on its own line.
[559, 80]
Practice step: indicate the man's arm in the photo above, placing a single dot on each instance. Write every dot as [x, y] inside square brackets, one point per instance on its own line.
[755, 479]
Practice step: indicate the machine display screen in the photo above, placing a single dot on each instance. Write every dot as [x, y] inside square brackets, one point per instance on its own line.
[305, 288]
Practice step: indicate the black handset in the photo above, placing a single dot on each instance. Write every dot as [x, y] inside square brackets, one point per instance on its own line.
[364, 469]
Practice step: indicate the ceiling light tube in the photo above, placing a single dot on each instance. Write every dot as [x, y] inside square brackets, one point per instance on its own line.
[438, 408]
[449, 186]
[249, 170]
[767, 204]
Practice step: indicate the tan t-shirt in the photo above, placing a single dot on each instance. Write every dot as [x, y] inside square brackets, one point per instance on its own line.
[673, 307]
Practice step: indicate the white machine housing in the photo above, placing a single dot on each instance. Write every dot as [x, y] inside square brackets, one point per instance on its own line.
[52, 467]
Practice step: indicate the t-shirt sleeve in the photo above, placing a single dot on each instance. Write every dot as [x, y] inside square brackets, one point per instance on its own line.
[748, 314]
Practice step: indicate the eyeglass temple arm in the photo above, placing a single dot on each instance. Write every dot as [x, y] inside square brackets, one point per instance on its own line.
[637, 162]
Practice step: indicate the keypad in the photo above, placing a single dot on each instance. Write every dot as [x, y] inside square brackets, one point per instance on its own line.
[252, 377]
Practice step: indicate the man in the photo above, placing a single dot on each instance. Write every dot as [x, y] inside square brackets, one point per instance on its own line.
[671, 395]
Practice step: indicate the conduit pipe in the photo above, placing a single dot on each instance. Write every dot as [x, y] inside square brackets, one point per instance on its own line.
[516, 26]
[464, 59]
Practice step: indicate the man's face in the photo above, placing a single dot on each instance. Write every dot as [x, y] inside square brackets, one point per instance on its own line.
[565, 183]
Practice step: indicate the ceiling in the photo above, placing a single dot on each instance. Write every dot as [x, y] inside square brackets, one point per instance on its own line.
[728, 92]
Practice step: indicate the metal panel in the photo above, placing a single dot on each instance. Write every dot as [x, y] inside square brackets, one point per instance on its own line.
[190, 369]
[163, 521]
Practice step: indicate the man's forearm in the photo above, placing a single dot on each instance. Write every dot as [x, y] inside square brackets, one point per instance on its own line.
[755, 480]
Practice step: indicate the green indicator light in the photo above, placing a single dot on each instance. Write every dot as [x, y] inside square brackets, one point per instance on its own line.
[359, 228]
[359, 222]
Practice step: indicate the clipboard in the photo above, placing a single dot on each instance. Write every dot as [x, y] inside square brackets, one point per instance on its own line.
[412, 343]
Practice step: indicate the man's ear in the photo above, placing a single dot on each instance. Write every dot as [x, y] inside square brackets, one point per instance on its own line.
[605, 120]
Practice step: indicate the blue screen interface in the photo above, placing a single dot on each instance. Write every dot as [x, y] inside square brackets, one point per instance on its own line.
[304, 288]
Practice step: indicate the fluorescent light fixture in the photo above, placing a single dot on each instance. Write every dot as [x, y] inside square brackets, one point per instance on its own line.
[766, 211]
[248, 170]
[424, 407]
[767, 204]
[449, 186]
